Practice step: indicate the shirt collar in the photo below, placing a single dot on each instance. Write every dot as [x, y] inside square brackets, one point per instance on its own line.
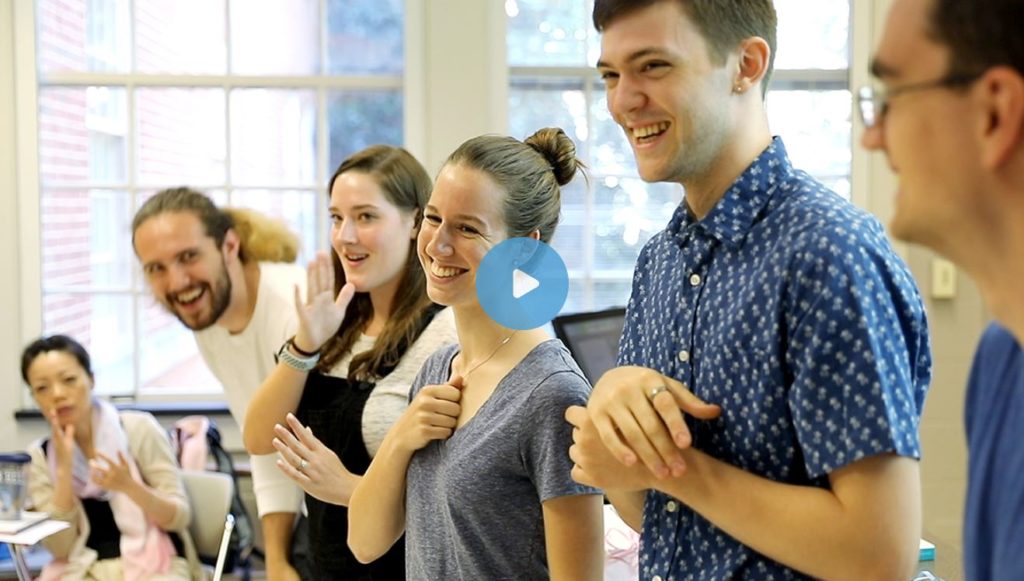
[733, 216]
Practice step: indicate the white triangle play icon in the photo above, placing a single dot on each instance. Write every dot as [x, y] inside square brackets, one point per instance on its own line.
[522, 283]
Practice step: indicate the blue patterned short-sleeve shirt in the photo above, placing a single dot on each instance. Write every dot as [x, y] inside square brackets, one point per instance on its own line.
[787, 306]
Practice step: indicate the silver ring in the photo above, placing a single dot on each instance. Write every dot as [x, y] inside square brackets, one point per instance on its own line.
[654, 392]
[302, 465]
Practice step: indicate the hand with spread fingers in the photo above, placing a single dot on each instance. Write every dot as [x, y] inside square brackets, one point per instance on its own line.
[322, 313]
[311, 464]
[639, 415]
[110, 474]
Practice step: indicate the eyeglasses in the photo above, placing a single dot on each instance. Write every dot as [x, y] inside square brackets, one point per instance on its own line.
[874, 104]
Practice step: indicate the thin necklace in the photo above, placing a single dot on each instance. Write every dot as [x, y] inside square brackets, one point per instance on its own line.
[488, 358]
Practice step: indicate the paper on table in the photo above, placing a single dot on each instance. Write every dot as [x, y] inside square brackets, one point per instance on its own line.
[28, 518]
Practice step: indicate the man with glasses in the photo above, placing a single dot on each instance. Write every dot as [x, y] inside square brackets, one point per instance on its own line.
[768, 296]
[950, 119]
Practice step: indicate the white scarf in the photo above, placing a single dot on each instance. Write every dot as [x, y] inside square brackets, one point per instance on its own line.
[146, 550]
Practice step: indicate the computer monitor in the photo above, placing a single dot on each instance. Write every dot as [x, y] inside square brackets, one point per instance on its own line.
[592, 338]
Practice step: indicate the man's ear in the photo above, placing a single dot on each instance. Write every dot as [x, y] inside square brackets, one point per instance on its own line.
[232, 244]
[752, 65]
[1000, 94]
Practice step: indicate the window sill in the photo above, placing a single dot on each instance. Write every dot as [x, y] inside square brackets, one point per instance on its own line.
[161, 409]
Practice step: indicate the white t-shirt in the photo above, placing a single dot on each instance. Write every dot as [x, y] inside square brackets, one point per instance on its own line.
[242, 361]
[390, 395]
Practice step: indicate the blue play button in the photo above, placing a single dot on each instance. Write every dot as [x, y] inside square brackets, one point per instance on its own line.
[522, 283]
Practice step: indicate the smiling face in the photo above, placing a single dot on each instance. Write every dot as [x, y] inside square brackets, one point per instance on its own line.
[925, 134]
[665, 92]
[371, 236]
[60, 385]
[186, 271]
[463, 220]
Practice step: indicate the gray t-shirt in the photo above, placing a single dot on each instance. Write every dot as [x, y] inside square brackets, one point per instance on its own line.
[473, 502]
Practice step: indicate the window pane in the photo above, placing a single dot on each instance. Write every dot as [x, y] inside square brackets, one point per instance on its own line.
[610, 149]
[570, 237]
[537, 103]
[593, 295]
[273, 137]
[180, 36]
[169, 360]
[82, 135]
[275, 37]
[627, 213]
[102, 323]
[299, 210]
[813, 35]
[181, 136]
[358, 119]
[551, 33]
[578, 299]
[819, 144]
[365, 36]
[84, 238]
[83, 35]
[611, 293]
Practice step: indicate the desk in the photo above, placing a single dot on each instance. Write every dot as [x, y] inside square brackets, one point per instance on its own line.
[30, 536]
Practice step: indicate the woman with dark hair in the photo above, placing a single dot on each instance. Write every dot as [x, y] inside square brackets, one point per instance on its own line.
[476, 472]
[111, 475]
[365, 329]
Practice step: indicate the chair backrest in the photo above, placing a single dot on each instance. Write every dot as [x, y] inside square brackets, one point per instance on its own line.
[196, 441]
[210, 495]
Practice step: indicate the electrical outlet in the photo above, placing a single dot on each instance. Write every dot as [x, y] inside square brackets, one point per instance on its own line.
[943, 279]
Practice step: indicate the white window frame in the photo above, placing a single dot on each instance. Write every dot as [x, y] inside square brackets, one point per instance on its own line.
[27, 83]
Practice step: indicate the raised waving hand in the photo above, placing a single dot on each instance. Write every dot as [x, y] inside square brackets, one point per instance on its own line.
[322, 313]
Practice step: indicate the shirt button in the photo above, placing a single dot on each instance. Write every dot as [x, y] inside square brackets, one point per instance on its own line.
[656, 578]
[684, 355]
[694, 279]
[671, 506]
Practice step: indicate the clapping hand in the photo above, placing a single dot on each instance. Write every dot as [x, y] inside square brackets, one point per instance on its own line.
[639, 414]
[594, 464]
[322, 313]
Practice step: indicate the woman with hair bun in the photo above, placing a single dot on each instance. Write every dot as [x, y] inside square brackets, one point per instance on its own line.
[476, 471]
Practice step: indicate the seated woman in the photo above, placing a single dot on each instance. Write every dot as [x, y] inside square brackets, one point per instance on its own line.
[111, 475]
[476, 471]
[364, 330]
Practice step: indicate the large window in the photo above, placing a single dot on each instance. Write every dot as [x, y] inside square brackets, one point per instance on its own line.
[552, 48]
[253, 101]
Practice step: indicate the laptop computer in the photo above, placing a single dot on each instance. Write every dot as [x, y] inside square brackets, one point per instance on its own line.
[592, 338]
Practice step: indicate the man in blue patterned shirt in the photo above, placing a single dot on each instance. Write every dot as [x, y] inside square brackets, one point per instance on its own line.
[770, 298]
[951, 121]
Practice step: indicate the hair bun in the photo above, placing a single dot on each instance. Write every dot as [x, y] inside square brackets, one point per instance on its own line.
[559, 150]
